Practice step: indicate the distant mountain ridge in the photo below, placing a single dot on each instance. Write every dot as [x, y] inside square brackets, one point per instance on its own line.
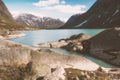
[40, 22]
[103, 14]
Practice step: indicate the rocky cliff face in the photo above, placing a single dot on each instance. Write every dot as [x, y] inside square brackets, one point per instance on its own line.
[103, 14]
[105, 45]
[35, 21]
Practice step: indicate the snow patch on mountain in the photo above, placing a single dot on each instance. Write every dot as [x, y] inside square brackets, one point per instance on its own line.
[36, 21]
[116, 12]
[81, 23]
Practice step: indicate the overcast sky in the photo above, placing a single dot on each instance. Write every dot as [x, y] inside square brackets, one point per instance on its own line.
[61, 9]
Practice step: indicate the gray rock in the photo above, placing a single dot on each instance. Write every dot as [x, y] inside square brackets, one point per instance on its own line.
[105, 45]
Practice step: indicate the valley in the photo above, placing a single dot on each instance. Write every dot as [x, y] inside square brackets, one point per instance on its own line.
[28, 51]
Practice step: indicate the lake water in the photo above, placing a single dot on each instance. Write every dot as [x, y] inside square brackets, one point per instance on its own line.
[41, 36]
[95, 60]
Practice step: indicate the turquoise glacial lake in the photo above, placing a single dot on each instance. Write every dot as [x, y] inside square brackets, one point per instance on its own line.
[41, 36]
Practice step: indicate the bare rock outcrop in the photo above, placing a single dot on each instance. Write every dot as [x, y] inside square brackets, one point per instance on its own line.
[20, 62]
[13, 54]
[72, 44]
[105, 45]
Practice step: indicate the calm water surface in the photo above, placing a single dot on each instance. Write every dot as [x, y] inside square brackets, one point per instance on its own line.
[41, 36]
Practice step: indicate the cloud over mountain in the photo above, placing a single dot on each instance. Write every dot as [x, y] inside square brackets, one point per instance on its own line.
[59, 6]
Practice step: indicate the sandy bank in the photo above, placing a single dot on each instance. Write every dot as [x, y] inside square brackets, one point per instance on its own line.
[15, 34]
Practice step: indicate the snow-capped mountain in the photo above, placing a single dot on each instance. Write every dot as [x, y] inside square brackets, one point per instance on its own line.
[103, 14]
[40, 22]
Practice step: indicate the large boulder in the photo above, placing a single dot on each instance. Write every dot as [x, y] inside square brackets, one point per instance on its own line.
[105, 45]
[74, 42]
[13, 54]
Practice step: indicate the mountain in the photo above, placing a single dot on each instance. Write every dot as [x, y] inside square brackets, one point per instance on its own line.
[40, 22]
[4, 13]
[105, 46]
[7, 23]
[103, 14]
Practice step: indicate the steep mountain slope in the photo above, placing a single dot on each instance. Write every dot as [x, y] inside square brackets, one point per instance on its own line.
[6, 20]
[4, 11]
[103, 14]
[105, 45]
[35, 21]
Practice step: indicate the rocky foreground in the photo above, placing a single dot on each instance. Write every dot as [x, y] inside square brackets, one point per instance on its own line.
[20, 62]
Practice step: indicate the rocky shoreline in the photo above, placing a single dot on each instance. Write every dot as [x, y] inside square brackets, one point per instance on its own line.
[21, 62]
[18, 61]
[105, 45]
[28, 63]
[6, 34]
[74, 43]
